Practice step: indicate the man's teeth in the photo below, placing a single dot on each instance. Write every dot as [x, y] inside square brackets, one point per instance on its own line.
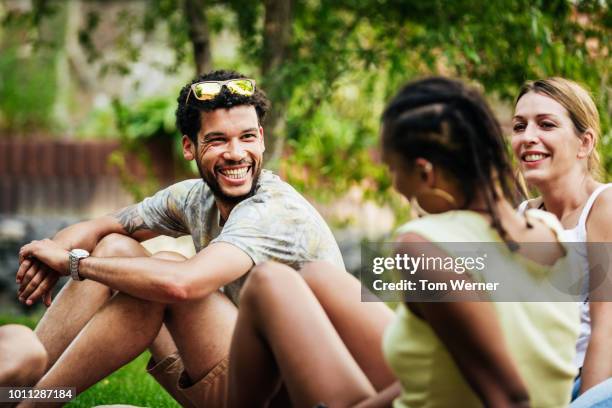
[236, 173]
[534, 157]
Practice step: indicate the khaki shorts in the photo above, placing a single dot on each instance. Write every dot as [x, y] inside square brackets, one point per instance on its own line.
[209, 392]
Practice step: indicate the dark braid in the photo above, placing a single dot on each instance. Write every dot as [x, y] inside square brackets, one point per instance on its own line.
[451, 125]
[484, 175]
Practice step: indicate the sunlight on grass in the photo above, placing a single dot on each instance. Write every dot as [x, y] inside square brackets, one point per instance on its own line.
[130, 385]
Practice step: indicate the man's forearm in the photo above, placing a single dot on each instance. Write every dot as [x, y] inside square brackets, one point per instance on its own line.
[144, 278]
[87, 234]
[149, 278]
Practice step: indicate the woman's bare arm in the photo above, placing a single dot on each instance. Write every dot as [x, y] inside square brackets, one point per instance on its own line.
[598, 359]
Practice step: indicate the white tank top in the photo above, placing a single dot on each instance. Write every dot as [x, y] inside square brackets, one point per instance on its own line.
[579, 234]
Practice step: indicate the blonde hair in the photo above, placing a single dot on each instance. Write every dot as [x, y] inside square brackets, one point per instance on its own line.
[580, 106]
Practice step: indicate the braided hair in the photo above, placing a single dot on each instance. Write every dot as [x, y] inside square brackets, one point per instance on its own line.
[451, 125]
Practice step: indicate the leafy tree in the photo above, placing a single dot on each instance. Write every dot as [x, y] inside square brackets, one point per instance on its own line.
[330, 65]
[28, 89]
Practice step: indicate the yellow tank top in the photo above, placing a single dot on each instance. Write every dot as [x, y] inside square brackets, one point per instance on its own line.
[539, 336]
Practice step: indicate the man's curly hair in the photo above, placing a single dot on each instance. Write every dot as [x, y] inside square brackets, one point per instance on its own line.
[188, 115]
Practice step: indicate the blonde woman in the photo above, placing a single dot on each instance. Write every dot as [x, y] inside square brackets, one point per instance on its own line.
[555, 133]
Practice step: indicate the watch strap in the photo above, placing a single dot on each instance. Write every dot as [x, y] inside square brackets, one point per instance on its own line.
[74, 266]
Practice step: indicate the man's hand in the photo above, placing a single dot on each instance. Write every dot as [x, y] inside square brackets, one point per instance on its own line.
[48, 252]
[36, 281]
[41, 265]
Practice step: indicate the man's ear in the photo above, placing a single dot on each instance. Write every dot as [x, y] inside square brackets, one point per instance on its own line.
[587, 143]
[189, 151]
[261, 134]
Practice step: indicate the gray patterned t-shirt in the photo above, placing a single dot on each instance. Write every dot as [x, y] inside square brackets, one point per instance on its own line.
[276, 223]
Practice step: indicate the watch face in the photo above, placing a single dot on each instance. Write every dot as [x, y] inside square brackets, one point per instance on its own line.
[80, 253]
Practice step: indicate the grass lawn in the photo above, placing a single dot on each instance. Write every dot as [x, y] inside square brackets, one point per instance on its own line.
[130, 385]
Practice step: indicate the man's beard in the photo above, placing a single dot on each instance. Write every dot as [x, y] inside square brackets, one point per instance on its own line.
[212, 182]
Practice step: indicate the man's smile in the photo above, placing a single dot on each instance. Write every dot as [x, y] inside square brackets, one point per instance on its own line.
[234, 175]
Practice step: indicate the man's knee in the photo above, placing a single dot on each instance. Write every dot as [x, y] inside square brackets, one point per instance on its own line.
[114, 245]
[137, 308]
[28, 357]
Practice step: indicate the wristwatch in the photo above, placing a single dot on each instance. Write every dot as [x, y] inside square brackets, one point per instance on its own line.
[75, 257]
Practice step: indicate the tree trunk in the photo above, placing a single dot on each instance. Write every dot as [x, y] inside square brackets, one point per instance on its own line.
[277, 37]
[197, 24]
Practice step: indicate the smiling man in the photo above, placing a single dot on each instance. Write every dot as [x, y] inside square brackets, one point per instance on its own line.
[123, 300]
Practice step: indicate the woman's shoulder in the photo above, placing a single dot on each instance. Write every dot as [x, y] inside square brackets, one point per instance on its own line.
[450, 226]
[603, 202]
[598, 221]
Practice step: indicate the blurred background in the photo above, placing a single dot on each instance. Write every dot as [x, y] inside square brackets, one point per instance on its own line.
[88, 93]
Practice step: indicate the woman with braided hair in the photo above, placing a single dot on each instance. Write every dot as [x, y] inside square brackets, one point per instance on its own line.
[446, 153]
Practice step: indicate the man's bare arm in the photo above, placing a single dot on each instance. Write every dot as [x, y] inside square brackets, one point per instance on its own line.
[151, 278]
[168, 281]
[85, 235]
[132, 223]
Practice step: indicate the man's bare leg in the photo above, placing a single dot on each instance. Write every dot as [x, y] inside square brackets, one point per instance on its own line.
[283, 328]
[116, 334]
[22, 358]
[361, 325]
[78, 301]
[203, 329]
[163, 345]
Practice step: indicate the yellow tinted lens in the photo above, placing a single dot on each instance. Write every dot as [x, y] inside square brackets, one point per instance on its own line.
[241, 87]
[206, 90]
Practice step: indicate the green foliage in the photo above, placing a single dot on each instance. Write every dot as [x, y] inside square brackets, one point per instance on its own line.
[379, 45]
[348, 57]
[99, 123]
[338, 138]
[27, 92]
[146, 119]
[28, 86]
[159, 21]
[137, 25]
[28, 321]
[137, 124]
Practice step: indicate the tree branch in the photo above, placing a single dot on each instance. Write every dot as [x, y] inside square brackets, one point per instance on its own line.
[197, 25]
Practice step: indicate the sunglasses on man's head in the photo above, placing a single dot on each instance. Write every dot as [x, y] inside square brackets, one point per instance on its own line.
[207, 90]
